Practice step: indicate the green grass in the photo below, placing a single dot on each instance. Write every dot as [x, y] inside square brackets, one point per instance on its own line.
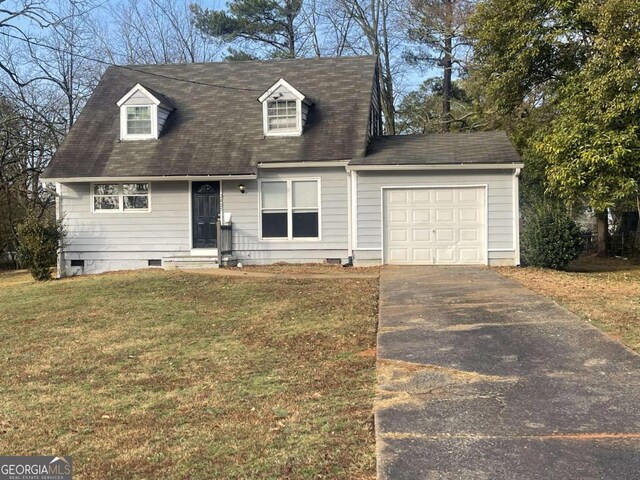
[172, 375]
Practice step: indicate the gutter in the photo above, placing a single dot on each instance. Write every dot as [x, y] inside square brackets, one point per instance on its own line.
[303, 164]
[160, 178]
[440, 166]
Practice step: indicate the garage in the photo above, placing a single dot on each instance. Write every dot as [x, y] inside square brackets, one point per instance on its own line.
[442, 225]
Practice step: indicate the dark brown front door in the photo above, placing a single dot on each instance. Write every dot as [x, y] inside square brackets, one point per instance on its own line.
[205, 207]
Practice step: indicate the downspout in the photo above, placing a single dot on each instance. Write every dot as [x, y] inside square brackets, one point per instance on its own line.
[349, 220]
[516, 214]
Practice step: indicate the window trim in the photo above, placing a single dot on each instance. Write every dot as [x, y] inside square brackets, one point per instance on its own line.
[282, 133]
[125, 135]
[121, 196]
[290, 237]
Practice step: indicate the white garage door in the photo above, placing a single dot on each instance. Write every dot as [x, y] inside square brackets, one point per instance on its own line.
[434, 226]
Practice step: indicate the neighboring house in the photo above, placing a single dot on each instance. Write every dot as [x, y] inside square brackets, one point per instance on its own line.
[291, 153]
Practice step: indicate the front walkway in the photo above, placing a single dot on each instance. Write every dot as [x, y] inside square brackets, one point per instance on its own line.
[480, 378]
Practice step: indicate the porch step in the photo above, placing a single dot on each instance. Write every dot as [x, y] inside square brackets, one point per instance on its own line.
[188, 262]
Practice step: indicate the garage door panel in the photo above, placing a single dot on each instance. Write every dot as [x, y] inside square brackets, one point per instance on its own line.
[421, 215]
[445, 255]
[423, 197]
[399, 235]
[444, 215]
[422, 255]
[398, 216]
[467, 214]
[421, 235]
[470, 195]
[447, 235]
[469, 235]
[399, 255]
[444, 195]
[399, 197]
[469, 255]
[435, 225]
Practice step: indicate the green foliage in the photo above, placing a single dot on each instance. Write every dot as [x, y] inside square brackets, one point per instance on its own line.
[593, 146]
[263, 24]
[38, 242]
[550, 239]
[421, 110]
[569, 69]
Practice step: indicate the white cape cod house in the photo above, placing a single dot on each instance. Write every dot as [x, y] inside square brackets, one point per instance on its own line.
[272, 161]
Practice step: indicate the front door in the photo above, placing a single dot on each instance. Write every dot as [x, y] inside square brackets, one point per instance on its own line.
[205, 206]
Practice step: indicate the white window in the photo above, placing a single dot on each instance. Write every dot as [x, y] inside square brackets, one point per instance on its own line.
[120, 197]
[290, 209]
[139, 120]
[284, 110]
[282, 116]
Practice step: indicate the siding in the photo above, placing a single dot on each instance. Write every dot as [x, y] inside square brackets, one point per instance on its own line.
[500, 207]
[163, 113]
[243, 208]
[109, 241]
[138, 98]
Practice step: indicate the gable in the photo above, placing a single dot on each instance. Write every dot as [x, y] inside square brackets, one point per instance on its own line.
[138, 98]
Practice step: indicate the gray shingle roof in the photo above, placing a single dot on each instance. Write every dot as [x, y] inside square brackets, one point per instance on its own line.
[218, 131]
[440, 148]
[161, 98]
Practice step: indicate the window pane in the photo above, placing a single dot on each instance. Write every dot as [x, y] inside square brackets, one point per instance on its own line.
[139, 127]
[137, 202]
[135, 188]
[106, 203]
[305, 194]
[274, 194]
[105, 189]
[138, 113]
[274, 225]
[138, 120]
[305, 225]
[282, 115]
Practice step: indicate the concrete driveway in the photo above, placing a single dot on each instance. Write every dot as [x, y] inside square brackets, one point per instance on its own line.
[480, 378]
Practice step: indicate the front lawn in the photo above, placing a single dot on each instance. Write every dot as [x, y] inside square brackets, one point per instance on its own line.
[603, 291]
[174, 375]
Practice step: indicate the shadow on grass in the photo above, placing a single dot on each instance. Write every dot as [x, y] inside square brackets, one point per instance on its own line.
[595, 264]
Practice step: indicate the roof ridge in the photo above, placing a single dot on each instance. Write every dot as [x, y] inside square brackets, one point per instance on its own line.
[245, 62]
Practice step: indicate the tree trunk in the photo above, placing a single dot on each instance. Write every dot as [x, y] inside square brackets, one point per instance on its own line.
[603, 227]
[447, 64]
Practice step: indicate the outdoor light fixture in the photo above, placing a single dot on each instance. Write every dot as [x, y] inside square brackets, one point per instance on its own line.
[241, 188]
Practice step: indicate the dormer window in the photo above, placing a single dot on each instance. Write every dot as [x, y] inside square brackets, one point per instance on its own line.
[139, 120]
[284, 110]
[143, 113]
[282, 116]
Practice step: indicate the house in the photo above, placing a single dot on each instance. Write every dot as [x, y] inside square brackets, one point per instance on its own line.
[289, 156]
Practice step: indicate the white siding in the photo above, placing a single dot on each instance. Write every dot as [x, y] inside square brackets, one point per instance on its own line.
[248, 245]
[138, 98]
[109, 241]
[500, 207]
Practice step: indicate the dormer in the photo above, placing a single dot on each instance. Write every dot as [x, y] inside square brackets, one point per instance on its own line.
[284, 110]
[143, 113]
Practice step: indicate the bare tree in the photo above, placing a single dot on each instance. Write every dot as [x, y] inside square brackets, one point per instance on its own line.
[329, 28]
[45, 78]
[437, 27]
[155, 31]
[376, 20]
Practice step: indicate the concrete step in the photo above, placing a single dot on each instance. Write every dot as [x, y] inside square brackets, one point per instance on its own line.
[188, 262]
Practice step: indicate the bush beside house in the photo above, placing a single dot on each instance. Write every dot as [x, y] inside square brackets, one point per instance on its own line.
[550, 238]
[38, 241]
